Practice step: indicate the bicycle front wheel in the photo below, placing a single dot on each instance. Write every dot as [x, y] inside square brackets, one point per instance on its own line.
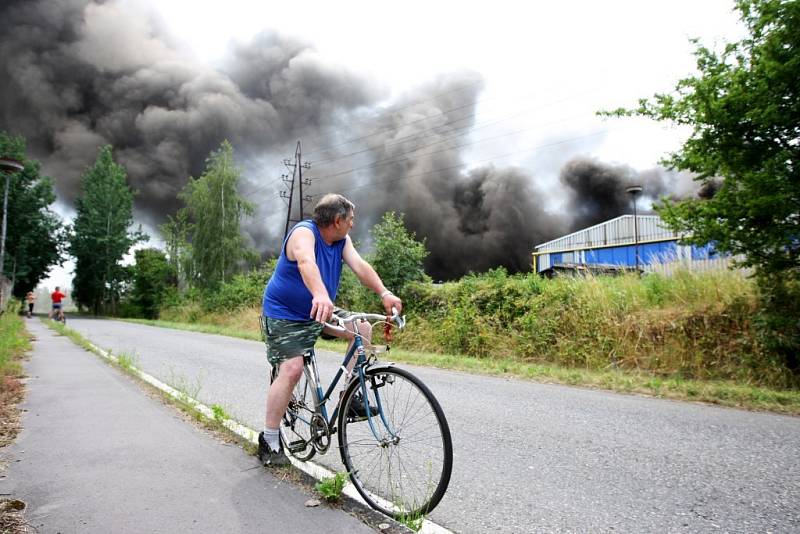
[295, 429]
[400, 458]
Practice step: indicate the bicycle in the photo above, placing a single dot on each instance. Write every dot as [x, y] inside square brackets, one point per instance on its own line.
[59, 316]
[400, 415]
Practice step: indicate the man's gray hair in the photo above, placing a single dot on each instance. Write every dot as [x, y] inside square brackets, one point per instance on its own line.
[329, 207]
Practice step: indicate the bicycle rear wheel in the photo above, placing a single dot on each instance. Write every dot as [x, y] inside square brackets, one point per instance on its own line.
[295, 429]
[406, 471]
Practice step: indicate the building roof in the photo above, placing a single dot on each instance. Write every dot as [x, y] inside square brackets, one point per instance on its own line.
[617, 231]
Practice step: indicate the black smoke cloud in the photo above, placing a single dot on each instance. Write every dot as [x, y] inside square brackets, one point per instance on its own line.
[597, 190]
[79, 74]
[473, 219]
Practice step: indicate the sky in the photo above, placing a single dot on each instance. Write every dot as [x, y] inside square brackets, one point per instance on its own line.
[476, 119]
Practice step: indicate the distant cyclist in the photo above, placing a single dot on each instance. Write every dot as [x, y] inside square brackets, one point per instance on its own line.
[30, 299]
[57, 296]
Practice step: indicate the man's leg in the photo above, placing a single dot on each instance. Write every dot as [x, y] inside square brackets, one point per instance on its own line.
[364, 328]
[278, 395]
[280, 391]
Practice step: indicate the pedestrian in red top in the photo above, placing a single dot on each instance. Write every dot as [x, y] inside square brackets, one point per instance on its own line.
[56, 296]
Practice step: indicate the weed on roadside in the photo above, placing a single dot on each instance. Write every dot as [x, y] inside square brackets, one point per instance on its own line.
[127, 362]
[187, 389]
[220, 415]
[331, 487]
[412, 521]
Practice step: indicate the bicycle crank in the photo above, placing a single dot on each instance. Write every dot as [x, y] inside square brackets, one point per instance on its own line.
[320, 433]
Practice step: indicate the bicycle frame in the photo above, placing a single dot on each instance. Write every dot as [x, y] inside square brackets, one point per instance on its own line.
[356, 350]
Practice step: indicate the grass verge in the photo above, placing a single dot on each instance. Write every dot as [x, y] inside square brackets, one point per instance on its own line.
[724, 393]
[14, 343]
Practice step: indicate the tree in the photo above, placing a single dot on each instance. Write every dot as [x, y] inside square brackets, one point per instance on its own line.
[153, 275]
[215, 210]
[35, 238]
[179, 251]
[101, 234]
[398, 257]
[744, 109]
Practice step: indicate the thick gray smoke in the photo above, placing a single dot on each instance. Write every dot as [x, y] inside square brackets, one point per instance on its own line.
[78, 74]
[598, 190]
[472, 220]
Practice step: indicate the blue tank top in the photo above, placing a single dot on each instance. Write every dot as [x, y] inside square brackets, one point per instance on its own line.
[286, 296]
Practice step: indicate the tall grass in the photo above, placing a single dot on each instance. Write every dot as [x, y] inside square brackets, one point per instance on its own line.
[690, 325]
[13, 342]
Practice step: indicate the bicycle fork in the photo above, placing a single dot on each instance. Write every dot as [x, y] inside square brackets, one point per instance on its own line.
[393, 438]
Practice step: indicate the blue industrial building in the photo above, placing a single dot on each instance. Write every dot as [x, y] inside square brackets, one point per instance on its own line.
[613, 245]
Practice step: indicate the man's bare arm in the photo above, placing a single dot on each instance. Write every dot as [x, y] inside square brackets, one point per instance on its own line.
[367, 275]
[300, 248]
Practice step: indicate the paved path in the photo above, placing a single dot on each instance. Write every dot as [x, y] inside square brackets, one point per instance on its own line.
[540, 458]
[96, 454]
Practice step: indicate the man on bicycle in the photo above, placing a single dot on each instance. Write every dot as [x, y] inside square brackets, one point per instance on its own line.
[57, 296]
[298, 299]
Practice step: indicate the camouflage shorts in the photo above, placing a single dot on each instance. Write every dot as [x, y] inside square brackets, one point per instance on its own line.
[287, 339]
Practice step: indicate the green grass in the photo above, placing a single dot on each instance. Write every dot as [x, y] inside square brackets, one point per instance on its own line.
[128, 362]
[412, 521]
[219, 413]
[331, 487]
[13, 342]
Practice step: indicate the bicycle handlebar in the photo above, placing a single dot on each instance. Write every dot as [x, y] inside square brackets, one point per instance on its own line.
[396, 318]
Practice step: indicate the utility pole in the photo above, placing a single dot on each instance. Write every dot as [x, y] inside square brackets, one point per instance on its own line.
[7, 166]
[297, 167]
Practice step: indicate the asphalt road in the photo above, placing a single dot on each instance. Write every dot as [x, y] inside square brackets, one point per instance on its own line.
[98, 455]
[534, 457]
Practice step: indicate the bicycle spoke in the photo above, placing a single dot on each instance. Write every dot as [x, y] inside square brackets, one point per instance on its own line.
[407, 468]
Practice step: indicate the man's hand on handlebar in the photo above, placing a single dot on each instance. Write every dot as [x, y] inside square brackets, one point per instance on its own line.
[392, 304]
[321, 308]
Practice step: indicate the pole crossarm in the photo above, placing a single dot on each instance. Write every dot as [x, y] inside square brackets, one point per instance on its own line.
[297, 165]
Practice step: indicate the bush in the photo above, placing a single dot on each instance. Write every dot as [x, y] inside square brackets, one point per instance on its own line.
[693, 325]
[242, 291]
[778, 319]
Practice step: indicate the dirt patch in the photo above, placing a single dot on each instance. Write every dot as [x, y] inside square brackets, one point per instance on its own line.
[11, 510]
[11, 518]
[12, 391]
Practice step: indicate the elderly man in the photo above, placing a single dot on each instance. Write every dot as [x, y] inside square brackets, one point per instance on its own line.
[299, 298]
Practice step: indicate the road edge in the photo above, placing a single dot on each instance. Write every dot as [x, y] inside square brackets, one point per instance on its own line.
[311, 469]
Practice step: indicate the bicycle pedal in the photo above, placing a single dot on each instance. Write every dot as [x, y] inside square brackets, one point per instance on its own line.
[296, 446]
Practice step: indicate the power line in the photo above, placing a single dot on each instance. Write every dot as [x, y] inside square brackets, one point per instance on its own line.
[440, 113]
[394, 159]
[472, 129]
[400, 158]
[494, 158]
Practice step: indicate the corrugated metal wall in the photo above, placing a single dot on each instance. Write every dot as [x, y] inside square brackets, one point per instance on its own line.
[617, 231]
[613, 243]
